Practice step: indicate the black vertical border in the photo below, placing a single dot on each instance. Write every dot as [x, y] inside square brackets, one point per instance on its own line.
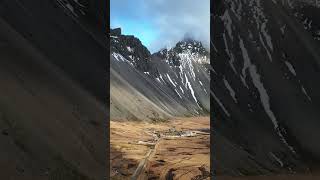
[212, 154]
[215, 7]
[107, 29]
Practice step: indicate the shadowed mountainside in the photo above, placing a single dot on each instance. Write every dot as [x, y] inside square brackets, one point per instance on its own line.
[52, 108]
[265, 95]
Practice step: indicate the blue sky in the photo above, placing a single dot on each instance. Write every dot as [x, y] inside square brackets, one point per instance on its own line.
[142, 29]
[162, 23]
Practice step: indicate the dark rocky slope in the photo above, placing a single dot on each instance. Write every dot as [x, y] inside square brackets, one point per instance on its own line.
[265, 95]
[75, 43]
[52, 95]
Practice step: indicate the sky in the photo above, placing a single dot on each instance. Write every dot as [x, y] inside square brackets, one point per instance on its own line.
[162, 23]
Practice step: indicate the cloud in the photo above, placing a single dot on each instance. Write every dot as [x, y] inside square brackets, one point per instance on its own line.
[171, 19]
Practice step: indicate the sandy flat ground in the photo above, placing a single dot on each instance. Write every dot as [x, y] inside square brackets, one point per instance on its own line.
[170, 157]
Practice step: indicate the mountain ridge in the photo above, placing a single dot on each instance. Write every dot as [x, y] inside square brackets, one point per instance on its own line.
[173, 77]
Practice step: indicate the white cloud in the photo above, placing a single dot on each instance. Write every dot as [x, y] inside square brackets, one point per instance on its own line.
[175, 18]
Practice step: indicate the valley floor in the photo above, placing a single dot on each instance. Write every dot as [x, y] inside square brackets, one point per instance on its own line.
[177, 149]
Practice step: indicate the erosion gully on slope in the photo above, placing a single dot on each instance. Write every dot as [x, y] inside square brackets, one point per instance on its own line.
[177, 149]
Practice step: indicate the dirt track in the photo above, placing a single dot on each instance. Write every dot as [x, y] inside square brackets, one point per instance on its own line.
[171, 156]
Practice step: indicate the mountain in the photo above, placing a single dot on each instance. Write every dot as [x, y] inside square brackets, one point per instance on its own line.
[52, 94]
[145, 86]
[264, 90]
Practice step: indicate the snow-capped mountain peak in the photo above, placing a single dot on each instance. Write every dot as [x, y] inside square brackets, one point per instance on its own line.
[187, 49]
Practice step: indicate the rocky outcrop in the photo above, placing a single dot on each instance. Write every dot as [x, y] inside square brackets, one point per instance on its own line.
[132, 49]
[115, 32]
